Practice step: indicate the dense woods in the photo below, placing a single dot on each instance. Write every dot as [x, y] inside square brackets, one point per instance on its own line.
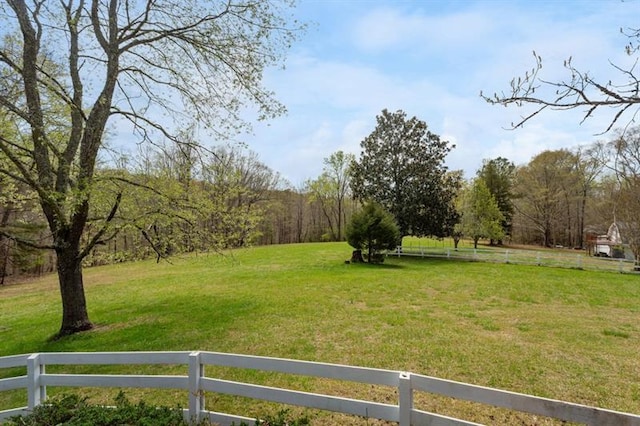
[179, 202]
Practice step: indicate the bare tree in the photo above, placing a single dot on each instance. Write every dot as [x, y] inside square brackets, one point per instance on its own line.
[332, 191]
[625, 151]
[580, 90]
[68, 67]
[545, 196]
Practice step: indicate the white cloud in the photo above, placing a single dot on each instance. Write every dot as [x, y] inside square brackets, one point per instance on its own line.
[433, 64]
[387, 28]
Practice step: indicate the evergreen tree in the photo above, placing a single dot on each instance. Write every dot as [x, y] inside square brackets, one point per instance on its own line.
[498, 175]
[373, 229]
[402, 168]
[481, 217]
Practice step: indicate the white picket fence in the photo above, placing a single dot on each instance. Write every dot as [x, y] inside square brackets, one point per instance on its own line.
[196, 383]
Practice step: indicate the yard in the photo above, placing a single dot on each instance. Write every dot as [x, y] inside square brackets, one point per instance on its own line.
[559, 333]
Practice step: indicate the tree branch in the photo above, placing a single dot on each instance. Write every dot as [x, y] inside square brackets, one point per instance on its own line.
[581, 91]
[98, 235]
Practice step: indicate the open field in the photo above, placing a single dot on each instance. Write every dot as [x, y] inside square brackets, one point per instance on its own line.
[559, 333]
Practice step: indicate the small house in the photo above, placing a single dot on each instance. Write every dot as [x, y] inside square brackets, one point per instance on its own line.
[606, 245]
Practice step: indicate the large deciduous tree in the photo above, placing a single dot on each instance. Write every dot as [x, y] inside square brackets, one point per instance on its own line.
[242, 186]
[401, 166]
[625, 151]
[331, 190]
[549, 197]
[70, 66]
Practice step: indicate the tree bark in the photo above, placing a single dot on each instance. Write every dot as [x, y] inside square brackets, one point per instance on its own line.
[74, 306]
[356, 256]
[4, 242]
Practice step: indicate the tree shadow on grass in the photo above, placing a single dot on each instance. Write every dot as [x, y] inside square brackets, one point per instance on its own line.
[378, 265]
[163, 325]
[432, 261]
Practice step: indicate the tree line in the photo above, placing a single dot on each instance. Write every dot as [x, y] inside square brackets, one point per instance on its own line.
[559, 198]
[182, 200]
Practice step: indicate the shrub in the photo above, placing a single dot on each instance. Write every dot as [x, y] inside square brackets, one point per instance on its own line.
[373, 229]
[282, 418]
[73, 410]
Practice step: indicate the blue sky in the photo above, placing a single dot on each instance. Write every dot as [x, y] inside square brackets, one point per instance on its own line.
[432, 59]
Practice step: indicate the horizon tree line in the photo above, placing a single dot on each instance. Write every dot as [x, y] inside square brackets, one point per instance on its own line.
[553, 200]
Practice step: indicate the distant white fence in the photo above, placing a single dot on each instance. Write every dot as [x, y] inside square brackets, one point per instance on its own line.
[196, 383]
[559, 259]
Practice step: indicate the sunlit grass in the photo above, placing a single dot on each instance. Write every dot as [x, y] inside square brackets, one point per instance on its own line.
[565, 334]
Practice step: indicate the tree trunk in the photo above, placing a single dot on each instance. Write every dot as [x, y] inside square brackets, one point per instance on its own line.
[583, 206]
[356, 256]
[456, 240]
[4, 258]
[74, 306]
[5, 250]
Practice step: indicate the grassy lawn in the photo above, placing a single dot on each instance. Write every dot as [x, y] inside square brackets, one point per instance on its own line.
[564, 334]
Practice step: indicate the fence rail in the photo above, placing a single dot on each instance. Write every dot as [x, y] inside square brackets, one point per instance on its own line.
[196, 383]
[560, 259]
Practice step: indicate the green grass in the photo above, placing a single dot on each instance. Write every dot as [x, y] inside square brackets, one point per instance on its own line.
[564, 334]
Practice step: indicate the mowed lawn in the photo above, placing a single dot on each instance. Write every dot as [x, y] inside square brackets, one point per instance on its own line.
[565, 334]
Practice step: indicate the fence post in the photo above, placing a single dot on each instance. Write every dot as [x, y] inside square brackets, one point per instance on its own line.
[35, 392]
[405, 399]
[196, 395]
[579, 263]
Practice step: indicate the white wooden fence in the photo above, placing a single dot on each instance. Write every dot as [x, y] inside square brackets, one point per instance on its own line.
[196, 383]
[560, 258]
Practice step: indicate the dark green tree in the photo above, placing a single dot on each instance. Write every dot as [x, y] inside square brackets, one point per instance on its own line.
[498, 175]
[373, 229]
[402, 167]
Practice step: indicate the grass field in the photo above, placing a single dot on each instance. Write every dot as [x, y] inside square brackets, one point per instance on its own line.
[564, 334]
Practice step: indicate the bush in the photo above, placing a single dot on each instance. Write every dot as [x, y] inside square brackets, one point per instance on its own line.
[73, 410]
[282, 418]
[373, 229]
